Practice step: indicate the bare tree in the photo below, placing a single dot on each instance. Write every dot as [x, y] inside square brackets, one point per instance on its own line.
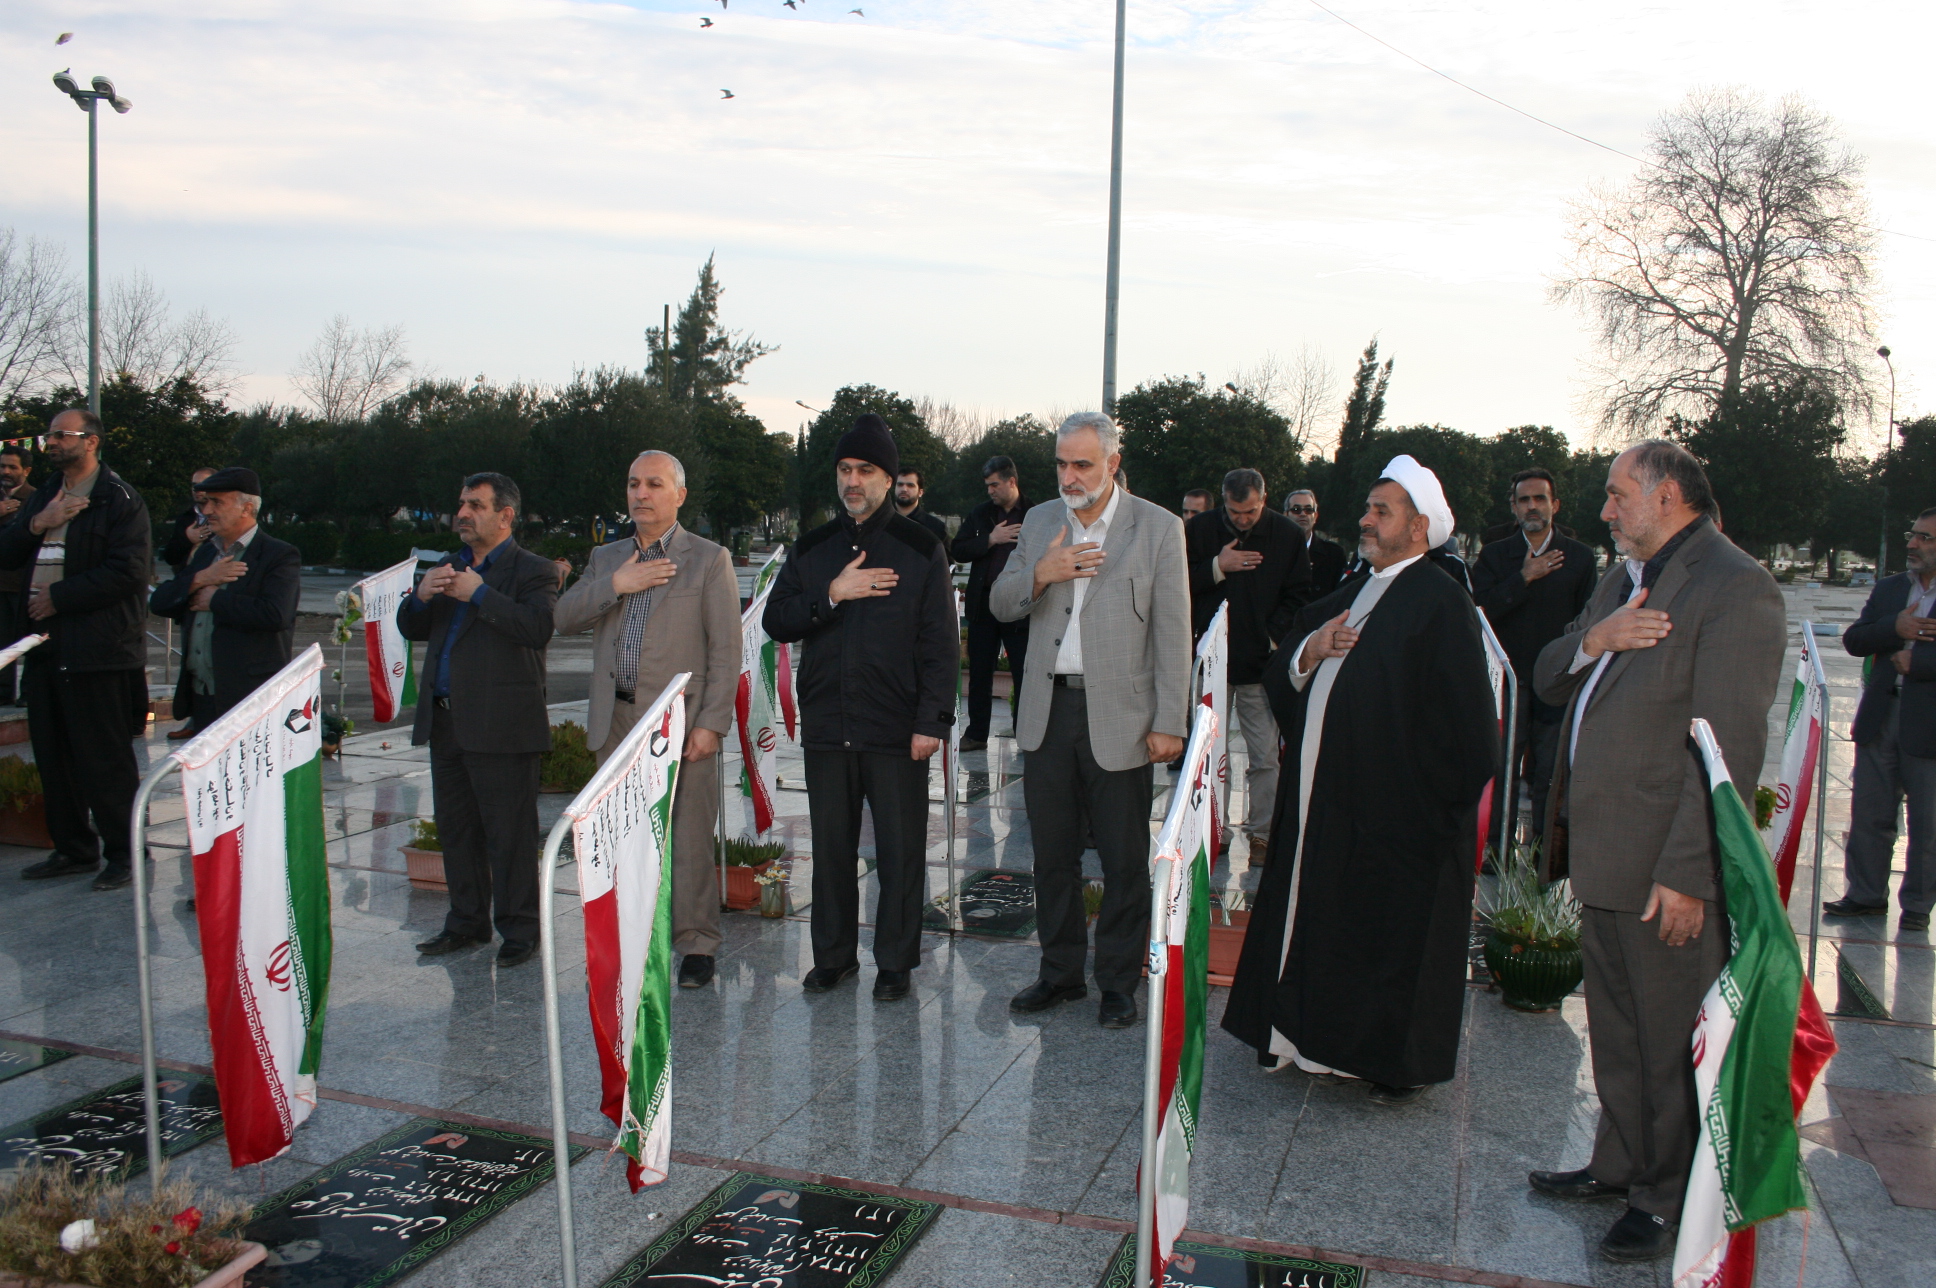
[1303, 388]
[1740, 256]
[37, 296]
[346, 374]
[141, 338]
[953, 426]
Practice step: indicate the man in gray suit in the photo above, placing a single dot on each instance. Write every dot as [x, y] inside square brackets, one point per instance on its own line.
[1102, 578]
[659, 602]
[1690, 626]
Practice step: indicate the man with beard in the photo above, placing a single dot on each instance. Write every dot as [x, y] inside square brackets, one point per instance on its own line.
[1531, 586]
[1391, 736]
[1691, 626]
[15, 461]
[908, 491]
[872, 595]
[986, 540]
[1327, 556]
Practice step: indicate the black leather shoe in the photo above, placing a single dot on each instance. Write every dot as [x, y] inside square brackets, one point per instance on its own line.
[515, 952]
[695, 970]
[1913, 921]
[57, 865]
[446, 943]
[114, 878]
[1639, 1236]
[1850, 908]
[1380, 1094]
[891, 985]
[974, 744]
[822, 979]
[1041, 995]
[1118, 1010]
[1574, 1185]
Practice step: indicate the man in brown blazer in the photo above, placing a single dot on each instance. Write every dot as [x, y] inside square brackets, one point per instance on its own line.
[657, 603]
[1689, 626]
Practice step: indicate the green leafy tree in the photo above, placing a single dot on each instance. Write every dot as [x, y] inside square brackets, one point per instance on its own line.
[1179, 434]
[1769, 451]
[1024, 440]
[918, 446]
[1365, 408]
[1525, 447]
[1851, 517]
[1907, 474]
[588, 434]
[154, 436]
[747, 467]
[705, 360]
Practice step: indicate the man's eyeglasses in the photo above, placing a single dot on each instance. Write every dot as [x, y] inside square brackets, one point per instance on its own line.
[1912, 536]
[1301, 509]
[64, 433]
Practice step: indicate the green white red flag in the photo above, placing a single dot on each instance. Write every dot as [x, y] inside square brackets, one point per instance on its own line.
[1179, 964]
[393, 675]
[252, 784]
[1796, 786]
[1759, 1043]
[1497, 662]
[1213, 692]
[763, 705]
[621, 831]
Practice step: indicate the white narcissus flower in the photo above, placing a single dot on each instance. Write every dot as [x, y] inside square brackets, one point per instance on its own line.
[78, 1236]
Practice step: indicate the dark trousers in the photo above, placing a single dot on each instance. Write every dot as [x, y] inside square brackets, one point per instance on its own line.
[1063, 786]
[487, 819]
[895, 789]
[83, 726]
[1642, 999]
[1536, 745]
[13, 624]
[1886, 777]
[987, 638]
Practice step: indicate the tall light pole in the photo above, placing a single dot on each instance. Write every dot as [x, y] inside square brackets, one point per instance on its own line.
[85, 99]
[1115, 223]
[1888, 445]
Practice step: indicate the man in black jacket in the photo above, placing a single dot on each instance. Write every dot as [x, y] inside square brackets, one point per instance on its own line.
[1895, 740]
[986, 538]
[1531, 586]
[872, 595]
[1327, 556]
[186, 530]
[1254, 559]
[909, 488]
[235, 600]
[85, 535]
[486, 612]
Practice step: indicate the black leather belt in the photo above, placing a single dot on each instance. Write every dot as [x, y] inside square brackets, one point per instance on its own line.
[625, 697]
[1070, 680]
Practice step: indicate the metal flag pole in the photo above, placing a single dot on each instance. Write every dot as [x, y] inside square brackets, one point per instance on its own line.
[137, 852]
[719, 817]
[1821, 795]
[554, 1045]
[950, 792]
[1159, 955]
[1113, 273]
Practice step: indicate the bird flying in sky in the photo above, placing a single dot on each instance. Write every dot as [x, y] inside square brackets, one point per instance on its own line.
[705, 22]
[726, 93]
[789, 4]
[65, 36]
[856, 11]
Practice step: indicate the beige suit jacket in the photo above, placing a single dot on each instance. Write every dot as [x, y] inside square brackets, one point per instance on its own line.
[694, 627]
[1636, 793]
[1135, 629]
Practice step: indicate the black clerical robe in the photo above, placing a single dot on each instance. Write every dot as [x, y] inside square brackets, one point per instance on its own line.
[1371, 982]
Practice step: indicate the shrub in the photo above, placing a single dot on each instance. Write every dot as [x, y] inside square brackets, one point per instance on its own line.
[374, 550]
[569, 764]
[745, 852]
[317, 542]
[423, 835]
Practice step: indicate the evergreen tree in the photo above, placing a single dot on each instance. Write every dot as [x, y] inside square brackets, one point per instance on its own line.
[705, 360]
[1366, 406]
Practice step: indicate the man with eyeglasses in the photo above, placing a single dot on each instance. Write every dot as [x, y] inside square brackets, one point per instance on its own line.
[1327, 556]
[15, 461]
[1895, 738]
[85, 535]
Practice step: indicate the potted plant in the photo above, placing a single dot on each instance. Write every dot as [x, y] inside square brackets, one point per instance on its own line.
[23, 811]
[60, 1232]
[423, 856]
[773, 890]
[746, 860]
[1533, 934]
[569, 765]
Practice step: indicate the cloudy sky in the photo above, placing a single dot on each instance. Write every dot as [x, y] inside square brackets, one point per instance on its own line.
[916, 198]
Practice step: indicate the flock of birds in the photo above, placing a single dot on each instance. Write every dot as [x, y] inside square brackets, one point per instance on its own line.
[791, 4]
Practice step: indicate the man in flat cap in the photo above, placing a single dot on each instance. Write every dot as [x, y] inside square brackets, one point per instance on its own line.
[235, 600]
[1390, 732]
[872, 595]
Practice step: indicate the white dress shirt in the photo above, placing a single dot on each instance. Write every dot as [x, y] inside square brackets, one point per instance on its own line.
[1068, 655]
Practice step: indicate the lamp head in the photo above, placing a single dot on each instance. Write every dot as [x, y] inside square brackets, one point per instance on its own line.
[104, 87]
[64, 82]
[1883, 353]
[121, 105]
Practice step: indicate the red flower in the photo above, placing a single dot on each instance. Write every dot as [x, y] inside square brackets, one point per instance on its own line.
[171, 1247]
[154, 1229]
[188, 1220]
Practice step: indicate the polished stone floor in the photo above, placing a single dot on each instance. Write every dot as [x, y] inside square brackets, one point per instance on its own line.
[1026, 1126]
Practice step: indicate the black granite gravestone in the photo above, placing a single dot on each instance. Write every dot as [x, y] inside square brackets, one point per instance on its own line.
[993, 902]
[17, 1058]
[105, 1133]
[781, 1234]
[1200, 1265]
[378, 1214]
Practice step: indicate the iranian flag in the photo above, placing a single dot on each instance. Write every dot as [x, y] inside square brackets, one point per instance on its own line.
[1496, 663]
[1759, 1042]
[1798, 752]
[393, 676]
[1213, 692]
[951, 746]
[763, 704]
[621, 831]
[252, 784]
[1180, 966]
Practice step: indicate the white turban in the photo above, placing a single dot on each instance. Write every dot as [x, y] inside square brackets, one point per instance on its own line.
[1428, 498]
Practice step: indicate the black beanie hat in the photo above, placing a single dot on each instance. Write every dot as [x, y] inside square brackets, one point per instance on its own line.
[870, 440]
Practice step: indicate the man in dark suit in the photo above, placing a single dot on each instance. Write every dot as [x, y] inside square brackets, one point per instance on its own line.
[235, 600]
[1254, 559]
[1327, 556]
[986, 537]
[15, 461]
[1531, 586]
[186, 530]
[486, 612]
[1895, 738]
[909, 488]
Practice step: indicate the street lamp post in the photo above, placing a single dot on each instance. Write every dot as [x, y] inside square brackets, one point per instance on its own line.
[1888, 445]
[85, 99]
[1115, 223]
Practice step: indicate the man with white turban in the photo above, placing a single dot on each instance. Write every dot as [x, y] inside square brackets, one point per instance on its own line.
[1355, 961]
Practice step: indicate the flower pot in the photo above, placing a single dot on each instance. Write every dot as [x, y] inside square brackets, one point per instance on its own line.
[247, 1256]
[426, 867]
[26, 825]
[773, 899]
[1226, 946]
[1532, 979]
[742, 891]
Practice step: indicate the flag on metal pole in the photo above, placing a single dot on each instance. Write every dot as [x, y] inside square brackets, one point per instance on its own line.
[1179, 965]
[1497, 794]
[252, 785]
[1759, 1042]
[18, 649]
[1213, 691]
[950, 790]
[393, 675]
[1798, 752]
[763, 703]
[621, 831]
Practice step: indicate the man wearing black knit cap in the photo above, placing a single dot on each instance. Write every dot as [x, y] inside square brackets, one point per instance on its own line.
[871, 595]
